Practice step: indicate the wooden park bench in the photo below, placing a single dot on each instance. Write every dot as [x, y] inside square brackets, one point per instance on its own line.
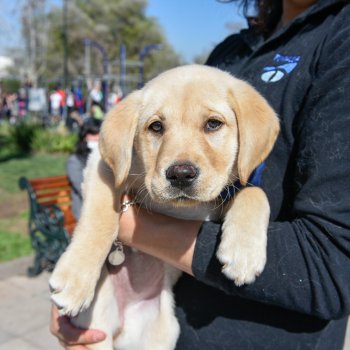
[51, 220]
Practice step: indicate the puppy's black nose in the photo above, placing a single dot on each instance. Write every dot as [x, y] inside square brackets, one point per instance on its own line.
[181, 175]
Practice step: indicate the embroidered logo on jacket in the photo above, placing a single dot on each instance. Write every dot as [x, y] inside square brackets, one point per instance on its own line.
[284, 65]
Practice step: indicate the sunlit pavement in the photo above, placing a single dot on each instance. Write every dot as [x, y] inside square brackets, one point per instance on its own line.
[24, 309]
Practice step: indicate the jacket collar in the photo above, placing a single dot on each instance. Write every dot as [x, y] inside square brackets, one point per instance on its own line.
[255, 179]
[254, 41]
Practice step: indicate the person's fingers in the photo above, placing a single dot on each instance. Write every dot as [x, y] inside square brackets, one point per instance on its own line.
[75, 336]
[70, 335]
[74, 347]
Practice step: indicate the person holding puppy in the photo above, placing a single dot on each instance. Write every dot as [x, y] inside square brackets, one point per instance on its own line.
[296, 55]
[76, 162]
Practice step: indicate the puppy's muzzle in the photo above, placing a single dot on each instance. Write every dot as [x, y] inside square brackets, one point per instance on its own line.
[181, 175]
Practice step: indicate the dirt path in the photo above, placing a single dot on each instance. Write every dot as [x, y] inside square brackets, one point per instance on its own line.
[12, 209]
[12, 204]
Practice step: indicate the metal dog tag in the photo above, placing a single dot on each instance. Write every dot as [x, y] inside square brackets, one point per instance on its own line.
[117, 256]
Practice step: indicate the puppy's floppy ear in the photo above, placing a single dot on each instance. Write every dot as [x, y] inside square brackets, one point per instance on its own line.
[117, 136]
[258, 128]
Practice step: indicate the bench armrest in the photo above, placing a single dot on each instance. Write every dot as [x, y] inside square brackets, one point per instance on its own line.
[49, 219]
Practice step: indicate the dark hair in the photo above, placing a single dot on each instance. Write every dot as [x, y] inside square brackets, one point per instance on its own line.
[81, 149]
[268, 14]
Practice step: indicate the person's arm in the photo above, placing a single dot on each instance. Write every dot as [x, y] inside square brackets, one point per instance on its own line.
[169, 239]
[75, 173]
[308, 257]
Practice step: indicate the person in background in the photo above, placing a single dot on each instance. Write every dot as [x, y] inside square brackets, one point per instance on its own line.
[97, 112]
[55, 104]
[296, 54]
[79, 102]
[14, 109]
[70, 122]
[96, 95]
[62, 93]
[22, 103]
[115, 96]
[74, 119]
[87, 142]
[6, 106]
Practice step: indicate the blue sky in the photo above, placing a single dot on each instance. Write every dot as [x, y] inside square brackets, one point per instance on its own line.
[193, 27]
[9, 29]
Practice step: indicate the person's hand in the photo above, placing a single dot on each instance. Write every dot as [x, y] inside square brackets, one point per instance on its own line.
[71, 337]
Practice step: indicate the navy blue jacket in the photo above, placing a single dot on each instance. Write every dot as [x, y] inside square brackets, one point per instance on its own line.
[302, 298]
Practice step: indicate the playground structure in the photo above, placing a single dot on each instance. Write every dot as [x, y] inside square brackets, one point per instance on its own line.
[124, 79]
[117, 78]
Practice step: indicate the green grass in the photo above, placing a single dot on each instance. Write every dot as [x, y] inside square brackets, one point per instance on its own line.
[39, 165]
[14, 238]
[14, 245]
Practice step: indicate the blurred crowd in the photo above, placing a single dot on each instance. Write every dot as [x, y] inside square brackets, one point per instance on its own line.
[54, 106]
[13, 106]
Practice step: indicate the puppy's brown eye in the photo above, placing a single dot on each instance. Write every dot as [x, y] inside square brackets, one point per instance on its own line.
[213, 125]
[156, 127]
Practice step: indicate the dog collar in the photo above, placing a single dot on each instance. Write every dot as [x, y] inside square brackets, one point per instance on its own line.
[255, 179]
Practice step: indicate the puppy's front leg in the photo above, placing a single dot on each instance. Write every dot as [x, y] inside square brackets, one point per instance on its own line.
[242, 249]
[76, 274]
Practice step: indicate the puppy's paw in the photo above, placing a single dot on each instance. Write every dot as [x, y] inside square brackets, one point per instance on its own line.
[242, 258]
[72, 286]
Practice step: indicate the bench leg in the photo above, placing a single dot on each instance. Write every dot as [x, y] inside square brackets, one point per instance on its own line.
[37, 267]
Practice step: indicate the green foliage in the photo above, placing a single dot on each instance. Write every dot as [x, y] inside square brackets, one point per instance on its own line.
[52, 141]
[10, 85]
[22, 136]
[28, 137]
[7, 148]
[14, 245]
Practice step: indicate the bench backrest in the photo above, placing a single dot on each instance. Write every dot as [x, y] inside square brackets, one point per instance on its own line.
[48, 191]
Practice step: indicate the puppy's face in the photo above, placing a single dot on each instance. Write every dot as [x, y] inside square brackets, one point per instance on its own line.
[187, 140]
[193, 130]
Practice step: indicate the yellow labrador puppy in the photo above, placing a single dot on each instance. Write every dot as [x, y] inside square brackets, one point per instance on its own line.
[176, 144]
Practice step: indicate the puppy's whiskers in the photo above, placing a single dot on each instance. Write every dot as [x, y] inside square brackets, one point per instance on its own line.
[141, 196]
[136, 178]
[218, 203]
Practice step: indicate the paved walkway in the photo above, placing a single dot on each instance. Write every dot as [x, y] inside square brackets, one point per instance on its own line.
[25, 309]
